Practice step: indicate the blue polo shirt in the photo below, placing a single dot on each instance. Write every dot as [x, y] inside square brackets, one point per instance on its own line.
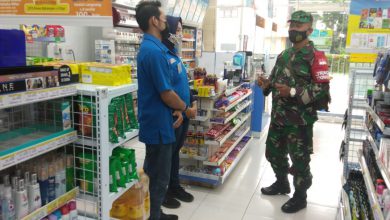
[154, 75]
[179, 78]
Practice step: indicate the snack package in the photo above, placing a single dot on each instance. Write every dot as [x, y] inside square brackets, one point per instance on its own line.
[86, 116]
[121, 104]
[113, 122]
[120, 178]
[113, 182]
[130, 111]
[126, 113]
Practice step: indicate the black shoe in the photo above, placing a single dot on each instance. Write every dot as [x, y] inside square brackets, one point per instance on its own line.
[180, 194]
[168, 217]
[170, 202]
[294, 204]
[278, 187]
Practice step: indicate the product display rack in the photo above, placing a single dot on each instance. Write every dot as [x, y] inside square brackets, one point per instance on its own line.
[236, 135]
[27, 106]
[361, 81]
[97, 204]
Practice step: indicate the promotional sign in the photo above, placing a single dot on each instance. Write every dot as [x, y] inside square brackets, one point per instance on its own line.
[322, 39]
[368, 28]
[56, 7]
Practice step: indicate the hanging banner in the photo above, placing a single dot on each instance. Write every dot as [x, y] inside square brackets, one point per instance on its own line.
[93, 8]
[368, 28]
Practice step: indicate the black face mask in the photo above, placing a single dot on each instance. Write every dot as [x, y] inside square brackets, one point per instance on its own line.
[165, 33]
[297, 36]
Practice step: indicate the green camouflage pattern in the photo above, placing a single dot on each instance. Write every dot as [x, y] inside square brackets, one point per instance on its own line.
[302, 17]
[293, 68]
[297, 141]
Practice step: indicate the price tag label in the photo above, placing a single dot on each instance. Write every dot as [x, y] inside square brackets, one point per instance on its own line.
[8, 160]
[15, 99]
[31, 96]
[51, 207]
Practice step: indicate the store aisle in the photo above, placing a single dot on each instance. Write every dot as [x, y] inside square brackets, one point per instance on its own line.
[240, 196]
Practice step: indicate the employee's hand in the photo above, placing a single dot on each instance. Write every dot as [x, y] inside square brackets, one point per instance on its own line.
[192, 112]
[263, 82]
[283, 90]
[179, 120]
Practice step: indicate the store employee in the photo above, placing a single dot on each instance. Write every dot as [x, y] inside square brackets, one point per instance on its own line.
[156, 103]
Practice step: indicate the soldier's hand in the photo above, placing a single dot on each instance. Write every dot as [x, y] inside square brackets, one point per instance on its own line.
[284, 90]
[263, 82]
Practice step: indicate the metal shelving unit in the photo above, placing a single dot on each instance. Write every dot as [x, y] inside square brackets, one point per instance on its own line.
[97, 204]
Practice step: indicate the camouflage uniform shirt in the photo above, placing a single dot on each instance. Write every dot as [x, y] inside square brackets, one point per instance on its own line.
[293, 68]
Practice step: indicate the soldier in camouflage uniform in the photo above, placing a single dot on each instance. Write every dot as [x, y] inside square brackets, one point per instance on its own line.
[295, 101]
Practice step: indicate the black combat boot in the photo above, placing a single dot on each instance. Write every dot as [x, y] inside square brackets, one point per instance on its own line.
[281, 186]
[296, 203]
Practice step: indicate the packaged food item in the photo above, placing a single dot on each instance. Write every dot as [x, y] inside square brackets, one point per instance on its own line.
[129, 155]
[144, 180]
[86, 116]
[105, 74]
[130, 111]
[87, 171]
[126, 121]
[120, 177]
[112, 171]
[130, 205]
[121, 112]
[113, 123]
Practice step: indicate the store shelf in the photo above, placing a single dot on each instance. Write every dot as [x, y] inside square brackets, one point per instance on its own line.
[199, 177]
[220, 161]
[373, 144]
[360, 104]
[23, 98]
[235, 103]
[92, 142]
[200, 118]
[228, 119]
[378, 121]
[381, 166]
[53, 205]
[188, 60]
[375, 207]
[188, 39]
[229, 92]
[112, 91]
[22, 153]
[186, 156]
[235, 162]
[121, 191]
[231, 132]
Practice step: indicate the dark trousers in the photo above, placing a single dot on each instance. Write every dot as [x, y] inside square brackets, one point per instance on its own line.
[157, 166]
[181, 134]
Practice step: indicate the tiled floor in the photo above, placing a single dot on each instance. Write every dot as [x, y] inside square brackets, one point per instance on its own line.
[240, 196]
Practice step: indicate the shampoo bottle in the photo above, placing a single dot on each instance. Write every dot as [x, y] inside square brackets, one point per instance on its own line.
[8, 206]
[21, 201]
[73, 210]
[60, 178]
[51, 183]
[14, 181]
[43, 184]
[34, 194]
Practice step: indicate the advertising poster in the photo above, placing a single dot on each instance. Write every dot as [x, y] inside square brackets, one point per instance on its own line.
[56, 7]
[368, 28]
[322, 39]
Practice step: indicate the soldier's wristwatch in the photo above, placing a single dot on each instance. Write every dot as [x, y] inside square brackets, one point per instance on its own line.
[293, 92]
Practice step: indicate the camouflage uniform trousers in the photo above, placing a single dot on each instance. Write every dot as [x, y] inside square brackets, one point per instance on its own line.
[296, 141]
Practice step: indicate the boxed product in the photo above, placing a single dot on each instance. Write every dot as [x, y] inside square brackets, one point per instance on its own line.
[68, 72]
[105, 74]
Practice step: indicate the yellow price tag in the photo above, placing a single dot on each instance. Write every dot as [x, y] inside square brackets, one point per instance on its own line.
[51, 207]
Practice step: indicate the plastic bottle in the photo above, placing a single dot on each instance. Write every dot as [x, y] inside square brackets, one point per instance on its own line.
[60, 178]
[380, 187]
[1, 200]
[73, 210]
[34, 194]
[14, 181]
[43, 184]
[21, 201]
[8, 206]
[51, 190]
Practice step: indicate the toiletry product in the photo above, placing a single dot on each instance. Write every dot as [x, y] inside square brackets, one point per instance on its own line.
[1, 200]
[43, 184]
[14, 181]
[34, 194]
[21, 201]
[73, 210]
[380, 187]
[51, 182]
[8, 206]
[26, 179]
[65, 212]
[58, 214]
[53, 217]
[60, 178]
